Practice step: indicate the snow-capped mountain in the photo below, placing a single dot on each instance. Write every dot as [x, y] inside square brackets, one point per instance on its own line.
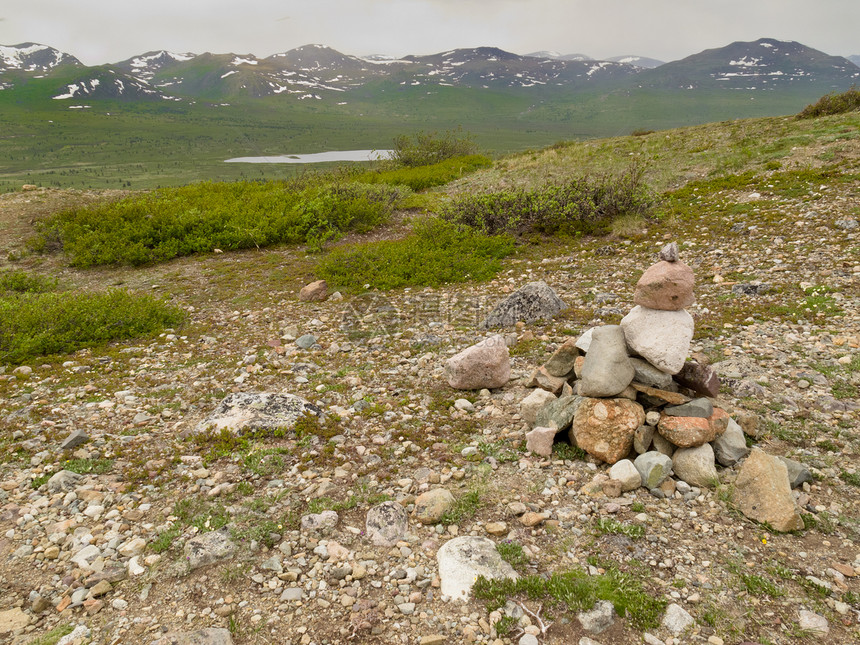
[764, 64]
[320, 72]
[106, 83]
[33, 58]
[147, 65]
[638, 61]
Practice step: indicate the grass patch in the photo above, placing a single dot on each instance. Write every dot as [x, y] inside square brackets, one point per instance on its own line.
[39, 324]
[577, 206]
[51, 637]
[610, 525]
[464, 508]
[438, 252]
[88, 466]
[423, 177]
[164, 540]
[577, 591]
[850, 478]
[175, 222]
[513, 554]
[568, 452]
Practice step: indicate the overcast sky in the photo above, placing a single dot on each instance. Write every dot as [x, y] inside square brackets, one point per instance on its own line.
[108, 31]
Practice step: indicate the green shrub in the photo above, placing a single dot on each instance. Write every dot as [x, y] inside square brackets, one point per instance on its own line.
[587, 205]
[23, 282]
[52, 323]
[423, 177]
[437, 252]
[175, 222]
[426, 149]
[834, 103]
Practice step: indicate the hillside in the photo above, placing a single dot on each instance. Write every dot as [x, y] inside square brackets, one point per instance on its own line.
[765, 213]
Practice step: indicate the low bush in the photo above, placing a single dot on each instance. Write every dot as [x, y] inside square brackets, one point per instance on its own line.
[834, 103]
[23, 282]
[52, 323]
[437, 252]
[175, 222]
[426, 149]
[587, 205]
[423, 177]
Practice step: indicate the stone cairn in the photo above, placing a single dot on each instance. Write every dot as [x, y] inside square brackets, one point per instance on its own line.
[629, 391]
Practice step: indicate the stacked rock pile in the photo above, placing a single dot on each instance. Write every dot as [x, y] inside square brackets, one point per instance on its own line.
[629, 390]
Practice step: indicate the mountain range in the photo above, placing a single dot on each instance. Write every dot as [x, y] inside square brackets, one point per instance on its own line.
[321, 73]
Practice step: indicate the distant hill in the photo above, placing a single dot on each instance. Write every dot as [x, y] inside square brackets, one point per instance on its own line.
[765, 64]
[855, 59]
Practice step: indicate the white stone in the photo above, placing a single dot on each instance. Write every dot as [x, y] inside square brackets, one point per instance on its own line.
[134, 567]
[677, 619]
[625, 472]
[660, 337]
[463, 559]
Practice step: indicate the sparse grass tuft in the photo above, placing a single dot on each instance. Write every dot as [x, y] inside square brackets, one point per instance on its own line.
[577, 591]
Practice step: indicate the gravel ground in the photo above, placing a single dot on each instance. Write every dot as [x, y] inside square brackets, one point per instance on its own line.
[107, 551]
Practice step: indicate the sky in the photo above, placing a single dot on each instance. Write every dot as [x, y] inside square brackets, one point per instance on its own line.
[109, 31]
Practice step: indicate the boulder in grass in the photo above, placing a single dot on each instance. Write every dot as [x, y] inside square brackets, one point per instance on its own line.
[314, 292]
[257, 411]
[463, 559]
[484, 365]
[660, 337]
[534, 301]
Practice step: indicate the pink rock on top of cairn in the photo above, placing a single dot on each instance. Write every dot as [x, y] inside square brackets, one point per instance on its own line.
[667, 285]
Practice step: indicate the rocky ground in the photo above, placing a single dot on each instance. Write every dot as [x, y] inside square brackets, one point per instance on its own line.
[109, 551]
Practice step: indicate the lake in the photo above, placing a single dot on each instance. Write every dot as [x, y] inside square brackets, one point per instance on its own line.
[318, 157]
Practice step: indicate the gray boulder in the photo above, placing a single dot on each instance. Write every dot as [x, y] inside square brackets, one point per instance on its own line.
[599, 618]
[654, 467]
[387, 523]
[257, 411]
[696, 465]
[797, 472]
[534, 301]
[607, 369]
[559, 412]
[660, 337]
[209, 548]
[63, 481]
[731, 446]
